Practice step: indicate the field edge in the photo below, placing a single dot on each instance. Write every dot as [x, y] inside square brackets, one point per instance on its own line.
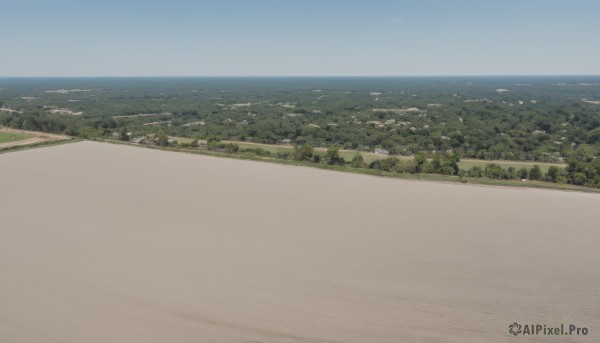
[373, 172]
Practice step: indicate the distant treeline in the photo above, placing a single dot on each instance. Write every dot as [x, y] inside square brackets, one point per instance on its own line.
[579, 171]
[534, 119]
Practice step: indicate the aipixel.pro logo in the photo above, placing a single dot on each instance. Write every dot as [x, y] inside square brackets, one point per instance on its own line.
[516, 329]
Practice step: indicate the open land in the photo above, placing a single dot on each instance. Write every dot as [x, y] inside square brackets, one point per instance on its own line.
[110, 243]
[369, 157]
[10, 138]
[7, 137]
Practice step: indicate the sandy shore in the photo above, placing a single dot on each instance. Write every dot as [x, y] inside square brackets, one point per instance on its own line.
[110, 243]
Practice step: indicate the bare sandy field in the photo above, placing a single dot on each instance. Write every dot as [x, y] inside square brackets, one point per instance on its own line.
[111, 243]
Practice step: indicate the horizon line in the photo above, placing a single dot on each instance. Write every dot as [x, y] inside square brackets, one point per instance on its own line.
[293, 76]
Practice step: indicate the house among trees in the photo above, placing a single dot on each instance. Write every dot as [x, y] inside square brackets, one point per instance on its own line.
[139, 140]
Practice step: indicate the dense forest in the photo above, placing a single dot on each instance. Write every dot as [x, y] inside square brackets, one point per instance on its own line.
[543, 119]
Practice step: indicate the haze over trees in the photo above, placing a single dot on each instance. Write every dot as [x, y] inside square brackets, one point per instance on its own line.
[436, 120]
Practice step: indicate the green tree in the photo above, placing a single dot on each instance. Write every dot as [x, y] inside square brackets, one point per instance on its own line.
[435, 165]
[421, 162]
[523, 173]
[449, 164]
[333, 155]
[579, 179]
[358, 161]
[552, 174]
[123, 134]
[494, 171]
[461, 175]
[535, 173]
[511, 173]
[163, 139]
[475, 171]
[387, 164]
[304, 152]
[231, 148]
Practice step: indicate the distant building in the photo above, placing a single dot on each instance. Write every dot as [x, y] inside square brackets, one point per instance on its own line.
[139, 140]
[381, 152]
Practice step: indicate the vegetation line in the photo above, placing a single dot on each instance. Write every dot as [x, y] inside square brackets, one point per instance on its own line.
[38, 145]
[366, 171]
[522, 130]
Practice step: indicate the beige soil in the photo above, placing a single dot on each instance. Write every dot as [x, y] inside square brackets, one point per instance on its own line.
[112, 243]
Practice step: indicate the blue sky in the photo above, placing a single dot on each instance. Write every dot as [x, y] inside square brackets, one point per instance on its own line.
[303, 37]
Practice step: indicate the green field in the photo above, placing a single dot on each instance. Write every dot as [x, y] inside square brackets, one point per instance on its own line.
[469, 163]
[7, 137]
[367, 156]
[274, 149]
[346, 154]
[370, 157]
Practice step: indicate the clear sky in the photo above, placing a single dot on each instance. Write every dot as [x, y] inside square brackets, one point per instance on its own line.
[302, 37]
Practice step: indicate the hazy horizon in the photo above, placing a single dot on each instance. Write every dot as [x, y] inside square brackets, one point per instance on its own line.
[302, 76]
[267, 38]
